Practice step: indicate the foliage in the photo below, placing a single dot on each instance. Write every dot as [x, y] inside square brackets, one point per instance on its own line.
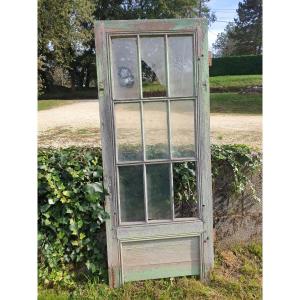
[225, 44]
[65, 31]
[244, 36]
[248, 28]
[70, 215]
[185, 187]
[232, 168]
[64, 27]
[237, 275]
[71, 206]
[41, 68]
[236, 65]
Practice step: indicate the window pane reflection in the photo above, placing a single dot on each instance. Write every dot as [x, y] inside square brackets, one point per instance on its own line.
[182, 128]
[181, 65]
[158, 191]
[128, 131]
[156, 130]
[153, 67]
[131, 193]
[125, 68]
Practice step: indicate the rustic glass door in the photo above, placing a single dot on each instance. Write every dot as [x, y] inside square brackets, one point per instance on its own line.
[153, 92]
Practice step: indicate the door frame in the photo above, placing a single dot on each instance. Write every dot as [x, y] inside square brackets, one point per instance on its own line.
[199, 28]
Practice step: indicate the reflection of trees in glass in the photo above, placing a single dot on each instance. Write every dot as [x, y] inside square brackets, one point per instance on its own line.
[131, 193]
[157, 151]
[158, 189]
[158, 186]
[151, 85]
[130, 152]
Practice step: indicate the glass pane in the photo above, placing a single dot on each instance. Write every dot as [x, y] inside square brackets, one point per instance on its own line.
[180, 65]
[182, 128]
[156, 130]
[131, 193]
[185, 190]
[128, 131]
[153, 66]
[125, 68]
[158, 191]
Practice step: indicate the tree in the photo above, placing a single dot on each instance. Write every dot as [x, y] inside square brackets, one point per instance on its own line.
[248, 28]
[62, 31]
[149, 9]
[204, 11]
[66, 36]
[244, 36]
[225, 45]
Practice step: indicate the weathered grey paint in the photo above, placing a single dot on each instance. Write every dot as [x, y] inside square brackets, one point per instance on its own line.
[193, 236]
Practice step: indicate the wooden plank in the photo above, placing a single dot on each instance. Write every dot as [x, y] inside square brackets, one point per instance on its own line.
[162, 271]
[106, 117]
[160, 251]
[157, 25]
[157, 231]
[205, 155]
[160, 258]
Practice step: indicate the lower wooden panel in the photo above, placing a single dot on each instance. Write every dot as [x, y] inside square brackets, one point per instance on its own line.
[161, 258]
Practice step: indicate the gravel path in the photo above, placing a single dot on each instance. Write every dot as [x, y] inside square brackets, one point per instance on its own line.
[60, 121]
[77, 115]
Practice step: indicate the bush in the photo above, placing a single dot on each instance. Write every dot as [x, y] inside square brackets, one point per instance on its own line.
[71, 216]
[236, 65]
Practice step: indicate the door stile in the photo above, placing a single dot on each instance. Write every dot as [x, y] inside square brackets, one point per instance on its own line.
[205, 155]
[106, 113]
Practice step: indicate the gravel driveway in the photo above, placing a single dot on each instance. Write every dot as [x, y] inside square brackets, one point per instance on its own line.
[78, 123]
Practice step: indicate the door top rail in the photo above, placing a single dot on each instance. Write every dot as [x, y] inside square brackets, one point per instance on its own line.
[149, 25]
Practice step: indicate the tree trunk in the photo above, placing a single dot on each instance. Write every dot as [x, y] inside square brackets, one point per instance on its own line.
[73, 76]
[88, 77]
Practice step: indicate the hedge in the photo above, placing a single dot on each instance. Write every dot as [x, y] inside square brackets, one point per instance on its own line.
[236, 65]
[71, 216]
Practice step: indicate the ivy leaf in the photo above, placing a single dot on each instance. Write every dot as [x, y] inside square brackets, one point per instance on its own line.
[75, 243]
[51, 201]
[67, 193]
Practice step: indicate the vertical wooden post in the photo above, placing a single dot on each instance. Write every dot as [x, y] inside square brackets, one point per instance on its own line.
[106, 116]
[205, 153]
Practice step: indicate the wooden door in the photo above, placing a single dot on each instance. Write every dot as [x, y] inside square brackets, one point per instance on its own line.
[154, 102]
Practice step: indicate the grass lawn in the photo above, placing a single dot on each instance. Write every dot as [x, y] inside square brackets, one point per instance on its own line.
[234, 82]
[219, 103]
[236, 103]
[237, 275]
[47, 104]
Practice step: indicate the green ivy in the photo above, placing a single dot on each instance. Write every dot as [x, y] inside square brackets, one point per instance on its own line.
[71, 216]
[232, 169]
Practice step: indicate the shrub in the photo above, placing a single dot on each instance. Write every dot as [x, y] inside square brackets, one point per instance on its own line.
[236, 65]
[71, 216]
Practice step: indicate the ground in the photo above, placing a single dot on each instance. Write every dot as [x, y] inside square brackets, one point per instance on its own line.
[239, 121]
[237, 275]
